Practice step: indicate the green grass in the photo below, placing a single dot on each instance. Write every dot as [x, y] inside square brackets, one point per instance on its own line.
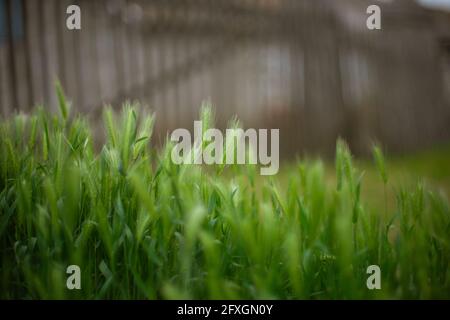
[141, 227]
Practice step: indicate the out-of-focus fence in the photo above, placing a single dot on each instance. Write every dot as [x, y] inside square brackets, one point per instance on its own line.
[310, 68]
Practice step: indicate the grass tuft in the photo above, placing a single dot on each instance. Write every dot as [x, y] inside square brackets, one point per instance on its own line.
[141, 227]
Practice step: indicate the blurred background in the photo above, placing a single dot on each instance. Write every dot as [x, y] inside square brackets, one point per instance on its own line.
[308, 67]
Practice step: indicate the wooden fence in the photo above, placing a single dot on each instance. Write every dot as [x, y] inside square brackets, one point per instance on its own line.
[310, 68]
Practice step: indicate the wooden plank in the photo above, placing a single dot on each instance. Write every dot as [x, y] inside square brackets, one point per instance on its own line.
[124, 47]
[88, 58]
[50, 51]
[5, 82]
[35, 63]
[21, 54]
[10, 57]
[68, 53]
[108, 69]
[150, 53]
[140, 71]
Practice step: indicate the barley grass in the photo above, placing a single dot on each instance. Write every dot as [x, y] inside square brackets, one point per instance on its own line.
[141, 227]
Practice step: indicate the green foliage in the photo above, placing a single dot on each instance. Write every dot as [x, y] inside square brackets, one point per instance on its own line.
[380, 163]
[141, 227]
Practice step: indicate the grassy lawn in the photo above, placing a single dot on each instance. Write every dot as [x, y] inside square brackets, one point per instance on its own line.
[139, 226]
